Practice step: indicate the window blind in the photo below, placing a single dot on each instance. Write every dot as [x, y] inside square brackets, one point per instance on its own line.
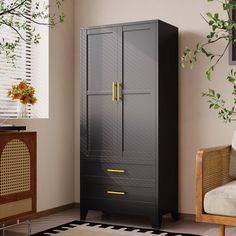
[12, 75]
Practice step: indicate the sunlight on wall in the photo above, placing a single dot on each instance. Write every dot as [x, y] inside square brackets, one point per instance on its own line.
[40, 73]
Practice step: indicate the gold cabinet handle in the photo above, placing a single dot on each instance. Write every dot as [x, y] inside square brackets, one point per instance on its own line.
[119, 91]
[115, 193]
[114, 97]
[115, 171]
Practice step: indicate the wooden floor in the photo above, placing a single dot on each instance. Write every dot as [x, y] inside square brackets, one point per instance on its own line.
[184, 225]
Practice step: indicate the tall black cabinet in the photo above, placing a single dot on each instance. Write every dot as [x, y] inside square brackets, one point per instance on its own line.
[129, 119]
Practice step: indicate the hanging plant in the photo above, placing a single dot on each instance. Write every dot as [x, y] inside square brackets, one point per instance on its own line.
[220, 30]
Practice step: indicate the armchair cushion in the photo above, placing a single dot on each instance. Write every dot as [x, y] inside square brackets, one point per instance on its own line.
[232, 165]
[221, 200]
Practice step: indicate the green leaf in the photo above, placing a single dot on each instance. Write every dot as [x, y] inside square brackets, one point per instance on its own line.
[210, 16]
[211, 91]
[209, 72]
[231, 79]
[216, 106]
[214, 27]
[216, 16]
[211, 22]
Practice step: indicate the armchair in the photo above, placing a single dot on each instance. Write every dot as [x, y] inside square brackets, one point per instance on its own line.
[215, 201]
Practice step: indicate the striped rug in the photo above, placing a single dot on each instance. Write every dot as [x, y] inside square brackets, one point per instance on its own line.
[81, 228]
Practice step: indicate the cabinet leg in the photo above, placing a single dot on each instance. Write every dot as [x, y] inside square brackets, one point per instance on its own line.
[156, 221]
[221, 231]
[175, 215]
[83, 213]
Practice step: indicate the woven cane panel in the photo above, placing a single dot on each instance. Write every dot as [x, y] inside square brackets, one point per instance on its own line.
[15, 208]
[215, 169]
[14, 168]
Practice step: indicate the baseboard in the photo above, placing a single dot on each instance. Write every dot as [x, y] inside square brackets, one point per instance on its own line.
[182, 216]
[77, 205]
[55, 210]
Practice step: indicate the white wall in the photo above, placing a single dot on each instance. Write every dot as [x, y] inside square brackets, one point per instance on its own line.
[198, 126]
[40, 73]
[55, 146]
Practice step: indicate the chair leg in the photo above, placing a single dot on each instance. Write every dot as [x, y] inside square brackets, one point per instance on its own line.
[221, 230]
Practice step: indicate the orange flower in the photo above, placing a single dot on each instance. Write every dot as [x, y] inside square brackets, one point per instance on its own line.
[24, 99]
[16, 96]
[33, 100]
[22, 85]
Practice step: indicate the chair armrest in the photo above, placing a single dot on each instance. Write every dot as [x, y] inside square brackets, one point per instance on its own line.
[212, 170]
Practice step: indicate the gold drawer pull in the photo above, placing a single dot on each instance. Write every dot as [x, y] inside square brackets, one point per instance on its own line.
[115, 193]
[115, 171]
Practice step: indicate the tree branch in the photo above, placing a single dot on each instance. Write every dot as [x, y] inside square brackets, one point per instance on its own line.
[12, 27]
[222, 54]
[213, 41]
[13, 9]
[30, 19]
[204, 18]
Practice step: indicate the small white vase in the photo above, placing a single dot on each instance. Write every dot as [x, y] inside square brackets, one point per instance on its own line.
[22, 111]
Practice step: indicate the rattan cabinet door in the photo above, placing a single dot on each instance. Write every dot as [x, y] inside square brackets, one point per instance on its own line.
[17, 175]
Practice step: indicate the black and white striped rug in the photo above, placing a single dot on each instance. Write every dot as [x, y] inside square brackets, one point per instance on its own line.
[81, 228]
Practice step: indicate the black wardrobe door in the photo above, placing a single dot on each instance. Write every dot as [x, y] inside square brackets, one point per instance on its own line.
[101, 110]
[139, 96]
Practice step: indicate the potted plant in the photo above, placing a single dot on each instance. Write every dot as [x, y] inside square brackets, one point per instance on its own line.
[219, 30]
[25, 95]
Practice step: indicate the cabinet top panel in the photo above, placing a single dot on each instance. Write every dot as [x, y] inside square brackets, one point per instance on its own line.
[126, 23]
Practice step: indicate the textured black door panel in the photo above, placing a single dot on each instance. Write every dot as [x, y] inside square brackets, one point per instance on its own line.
[100, 125]
[139, 80]
[99, 121]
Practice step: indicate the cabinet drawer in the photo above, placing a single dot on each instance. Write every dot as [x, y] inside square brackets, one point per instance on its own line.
[127, 193]
[105, 169]
[120, 206]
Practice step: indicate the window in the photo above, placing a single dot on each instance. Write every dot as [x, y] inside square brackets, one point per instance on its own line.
[9, 74]
[31, 65]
